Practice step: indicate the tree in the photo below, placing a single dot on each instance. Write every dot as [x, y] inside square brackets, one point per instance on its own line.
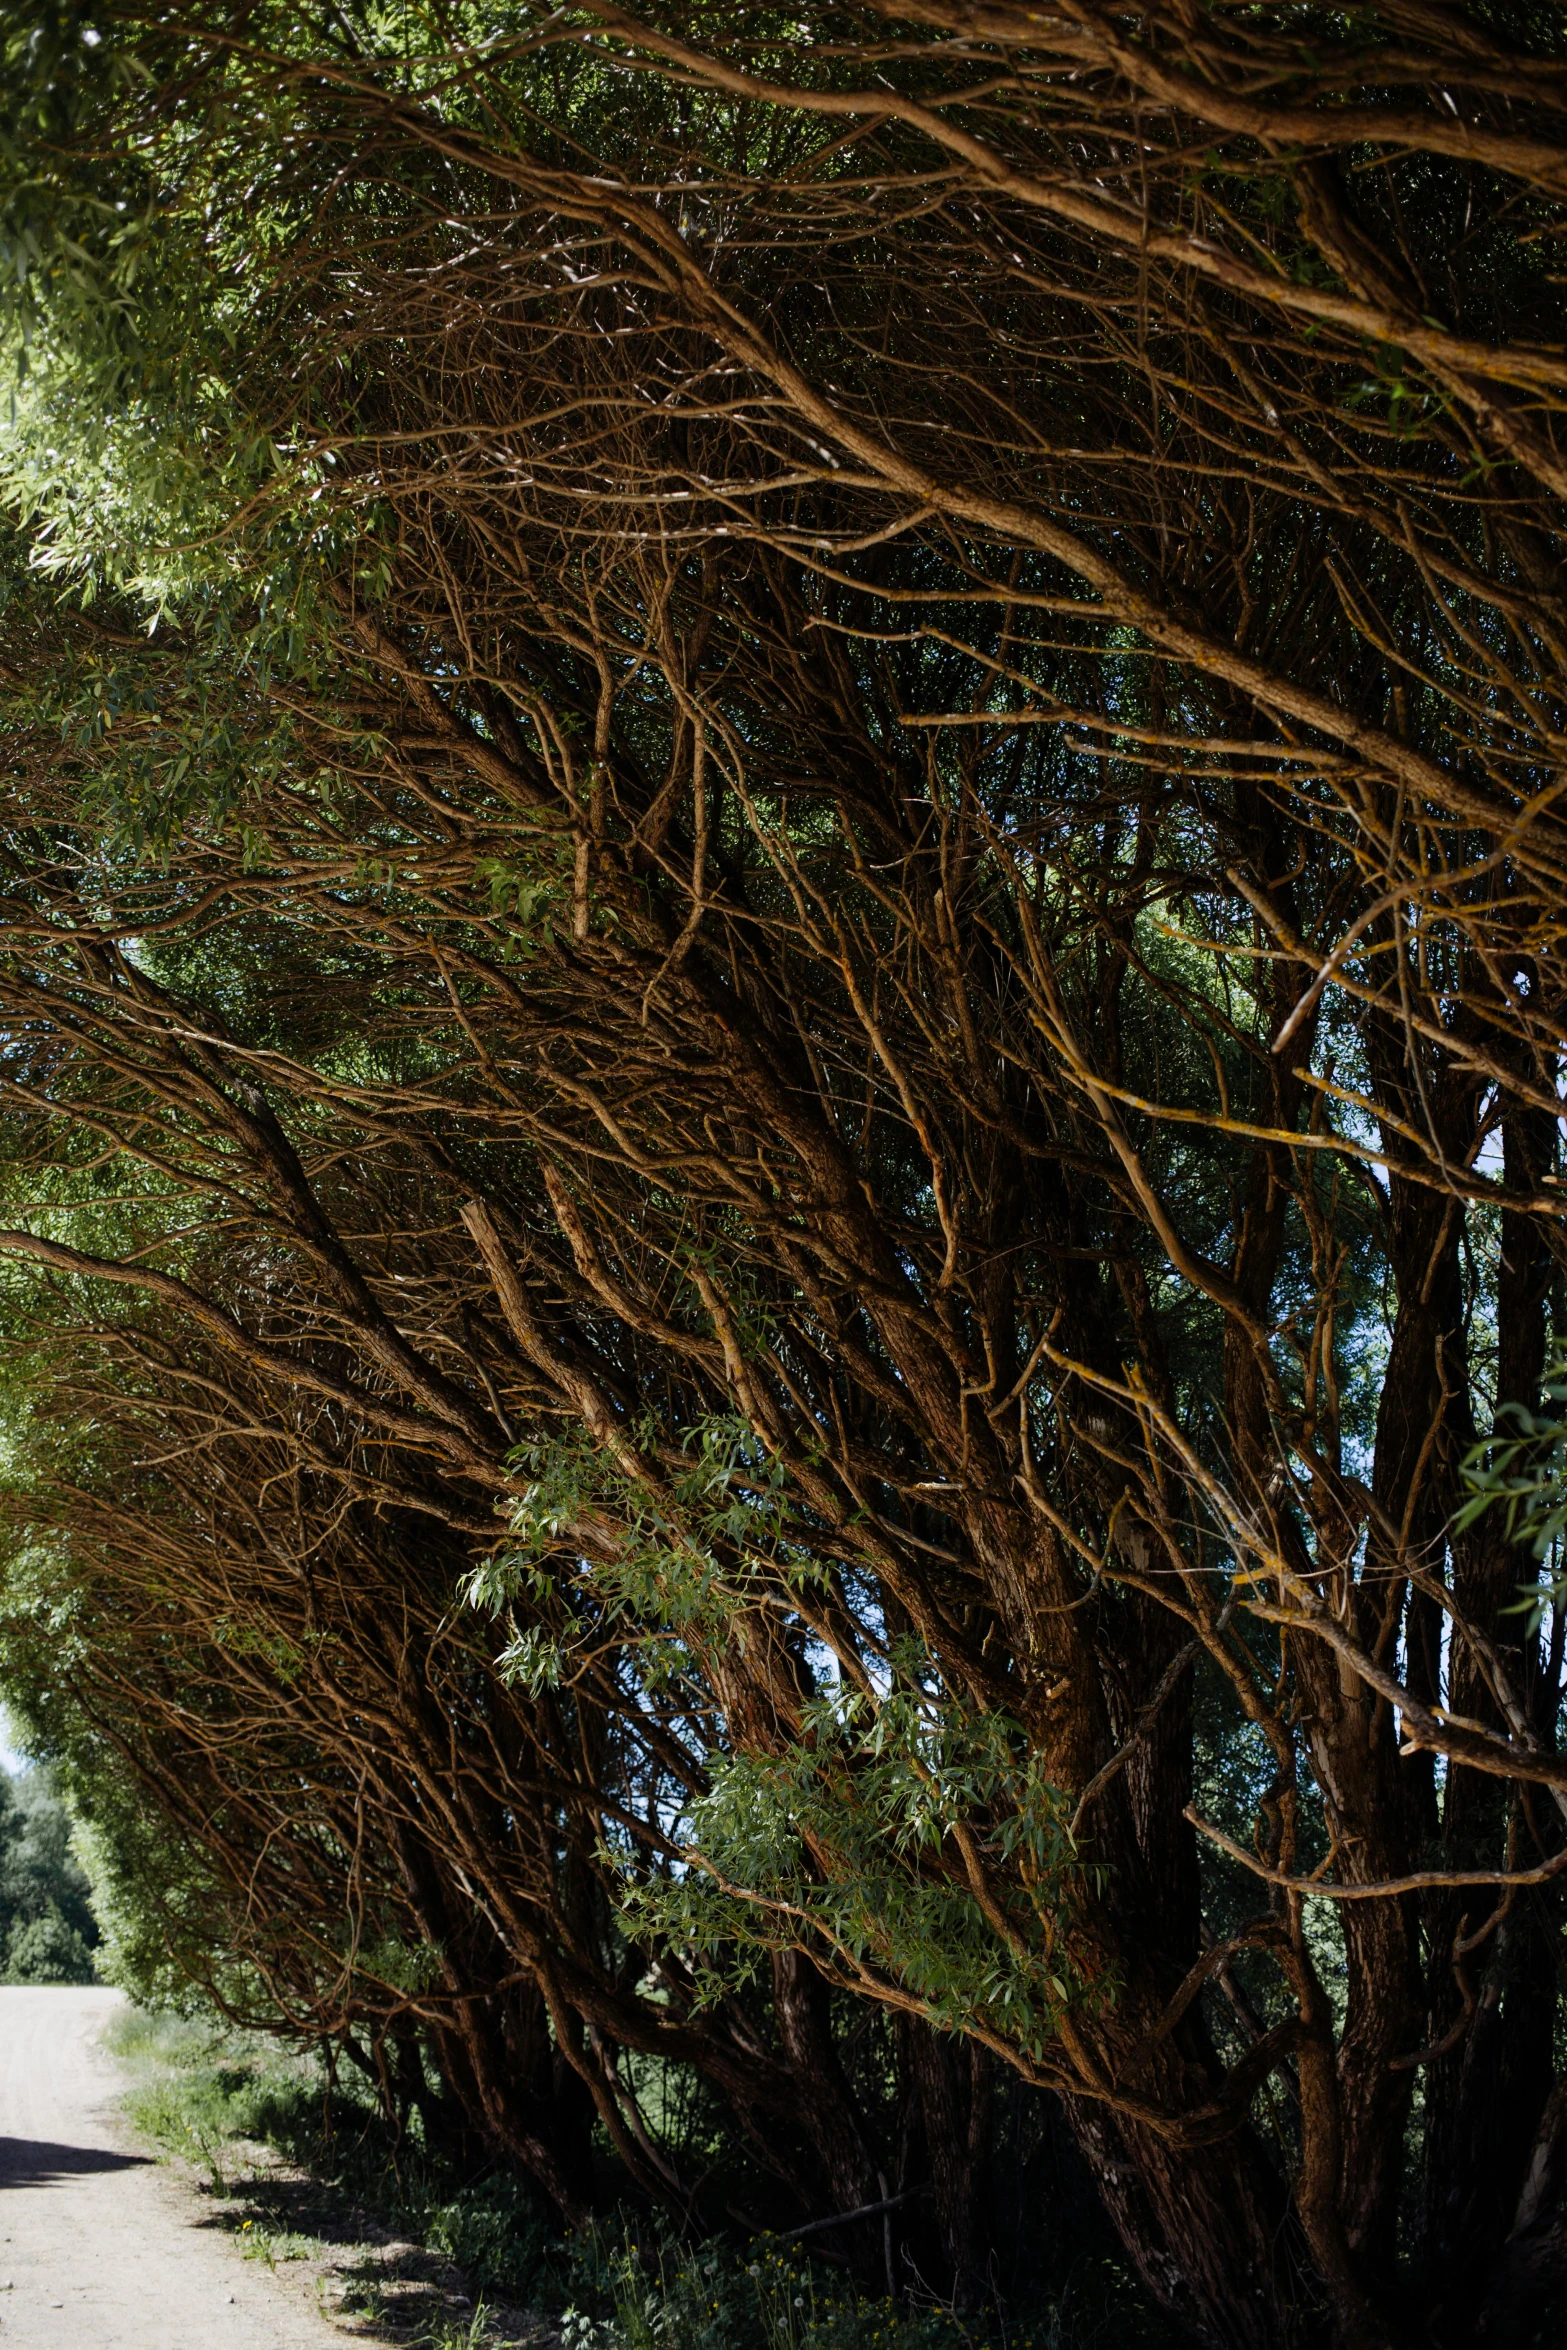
[235, 1579]
[46, 1917]
[939, 655]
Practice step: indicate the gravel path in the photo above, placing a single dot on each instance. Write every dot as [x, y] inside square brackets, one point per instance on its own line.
[101, 2249]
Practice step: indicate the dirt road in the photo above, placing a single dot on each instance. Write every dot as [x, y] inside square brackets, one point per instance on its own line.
[99, 2248]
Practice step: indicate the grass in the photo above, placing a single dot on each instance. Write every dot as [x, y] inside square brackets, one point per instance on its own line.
[456, 2335]
[302, 2178]
[305, 2181]
[195, 2091]
[259, 2242]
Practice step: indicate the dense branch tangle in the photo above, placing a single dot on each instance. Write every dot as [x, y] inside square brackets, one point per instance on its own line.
[944, 879]
[271, 1516]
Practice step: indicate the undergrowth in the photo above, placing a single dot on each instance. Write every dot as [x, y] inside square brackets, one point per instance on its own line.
[207, 2094]
[627, 2282]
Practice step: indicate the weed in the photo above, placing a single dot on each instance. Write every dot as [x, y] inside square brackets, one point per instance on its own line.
[363, 2297]
[648, 2291]
[494, 2230]
[469, 2333]
[259, 2242]
[657, 2294]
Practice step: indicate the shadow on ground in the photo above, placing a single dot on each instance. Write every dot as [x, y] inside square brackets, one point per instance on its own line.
[332, 2251]
[34, 2162]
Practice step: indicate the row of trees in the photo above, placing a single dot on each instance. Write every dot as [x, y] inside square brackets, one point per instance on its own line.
[782, 1025]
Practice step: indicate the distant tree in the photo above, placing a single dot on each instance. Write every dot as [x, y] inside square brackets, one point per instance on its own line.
[46, 1917]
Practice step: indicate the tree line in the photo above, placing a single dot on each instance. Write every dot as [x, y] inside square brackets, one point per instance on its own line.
[782, 1041]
